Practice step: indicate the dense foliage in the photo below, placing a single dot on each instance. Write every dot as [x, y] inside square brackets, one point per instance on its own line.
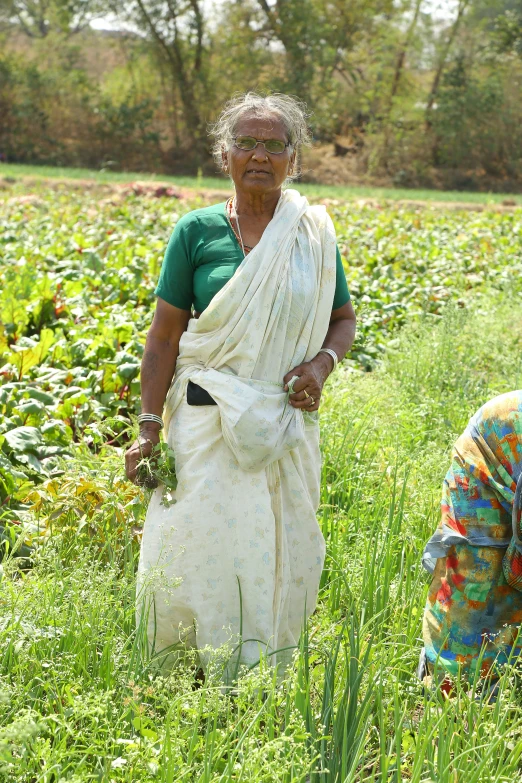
[413, 92]
[76, 297]
[80, 697]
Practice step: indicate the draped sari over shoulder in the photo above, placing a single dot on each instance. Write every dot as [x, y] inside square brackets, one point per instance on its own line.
[240, 553]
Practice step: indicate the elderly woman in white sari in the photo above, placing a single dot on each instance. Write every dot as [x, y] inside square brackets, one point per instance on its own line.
[253, 313]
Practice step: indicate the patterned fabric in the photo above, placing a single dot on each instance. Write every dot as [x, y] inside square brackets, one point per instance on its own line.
[241, 550]
[474, 609]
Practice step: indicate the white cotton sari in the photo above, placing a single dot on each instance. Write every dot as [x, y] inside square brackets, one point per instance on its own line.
[237, 559]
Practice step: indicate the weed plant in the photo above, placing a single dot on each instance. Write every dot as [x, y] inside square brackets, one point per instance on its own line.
[81, 699]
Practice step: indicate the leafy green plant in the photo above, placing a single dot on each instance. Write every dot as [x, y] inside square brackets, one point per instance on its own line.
[75, 306]
[160, 467]
[82, 696]
[351, 710]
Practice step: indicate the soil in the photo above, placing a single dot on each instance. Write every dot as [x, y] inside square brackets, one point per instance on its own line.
[117, 191]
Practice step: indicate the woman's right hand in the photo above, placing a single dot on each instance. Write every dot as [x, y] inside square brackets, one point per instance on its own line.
[142, 448]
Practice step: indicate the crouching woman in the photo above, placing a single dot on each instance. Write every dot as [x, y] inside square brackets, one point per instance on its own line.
[473, 614]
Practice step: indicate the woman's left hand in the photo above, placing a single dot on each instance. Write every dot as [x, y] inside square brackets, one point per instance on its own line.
[312, 376]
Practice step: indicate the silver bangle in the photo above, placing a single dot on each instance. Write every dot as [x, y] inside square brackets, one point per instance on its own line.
[143, 417]
[331, 353]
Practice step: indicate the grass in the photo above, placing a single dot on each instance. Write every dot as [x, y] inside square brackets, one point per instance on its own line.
[80, 700]
[219, 183]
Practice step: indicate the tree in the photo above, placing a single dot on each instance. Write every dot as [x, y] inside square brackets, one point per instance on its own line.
[317, 35]
[176, 31]
[38, 18]
[398, 71]
[443, 58]
[403, 50]
[508, 33]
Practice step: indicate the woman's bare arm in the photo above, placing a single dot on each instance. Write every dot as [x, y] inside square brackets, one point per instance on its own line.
[160, 355]
[157, 370]
[313, 374]
[339, 337]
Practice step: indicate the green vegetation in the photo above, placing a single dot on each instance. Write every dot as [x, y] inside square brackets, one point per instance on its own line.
[19, 171]
[80, 699]
[77, 283]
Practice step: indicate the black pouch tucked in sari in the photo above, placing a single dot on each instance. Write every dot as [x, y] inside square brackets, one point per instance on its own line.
[196, 395]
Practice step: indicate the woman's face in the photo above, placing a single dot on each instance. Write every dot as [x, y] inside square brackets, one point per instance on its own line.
[259, 171]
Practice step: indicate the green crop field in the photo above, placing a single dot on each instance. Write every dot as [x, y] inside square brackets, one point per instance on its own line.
[439, 300]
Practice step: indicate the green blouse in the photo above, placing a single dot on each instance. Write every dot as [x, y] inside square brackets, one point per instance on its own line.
[201, 257]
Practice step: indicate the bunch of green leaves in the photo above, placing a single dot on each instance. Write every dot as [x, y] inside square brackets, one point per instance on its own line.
[158, 468]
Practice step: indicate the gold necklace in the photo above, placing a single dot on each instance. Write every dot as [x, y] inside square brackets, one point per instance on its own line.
[238, 236]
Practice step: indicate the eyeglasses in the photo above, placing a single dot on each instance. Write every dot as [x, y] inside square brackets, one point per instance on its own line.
[273, 146]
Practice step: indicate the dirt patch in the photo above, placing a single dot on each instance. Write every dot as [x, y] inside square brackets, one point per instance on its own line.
[29, 198]
[462, 206]
[114, 191]
[117, 192]
[321, 166]
[168, 190]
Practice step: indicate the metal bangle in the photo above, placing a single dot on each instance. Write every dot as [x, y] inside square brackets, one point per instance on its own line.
[143, 417]
[331, 353]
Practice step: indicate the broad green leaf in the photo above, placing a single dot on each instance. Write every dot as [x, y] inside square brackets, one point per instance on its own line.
[30, 460]
[30, 406]
[26, 358]
[44, 397]
[23, 439]
[128, 370]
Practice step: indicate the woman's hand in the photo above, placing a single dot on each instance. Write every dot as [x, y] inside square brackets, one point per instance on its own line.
[312, 376]
[142, 448]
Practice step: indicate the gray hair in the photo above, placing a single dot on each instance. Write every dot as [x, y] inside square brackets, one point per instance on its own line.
[289, 109]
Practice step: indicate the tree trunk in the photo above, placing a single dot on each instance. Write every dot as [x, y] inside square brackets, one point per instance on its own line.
[397, 76]
[463, 4]
[401, 57]
[183, 74]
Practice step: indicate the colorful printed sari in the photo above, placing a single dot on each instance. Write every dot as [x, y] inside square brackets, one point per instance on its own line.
[238, 558]
[474, 608]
